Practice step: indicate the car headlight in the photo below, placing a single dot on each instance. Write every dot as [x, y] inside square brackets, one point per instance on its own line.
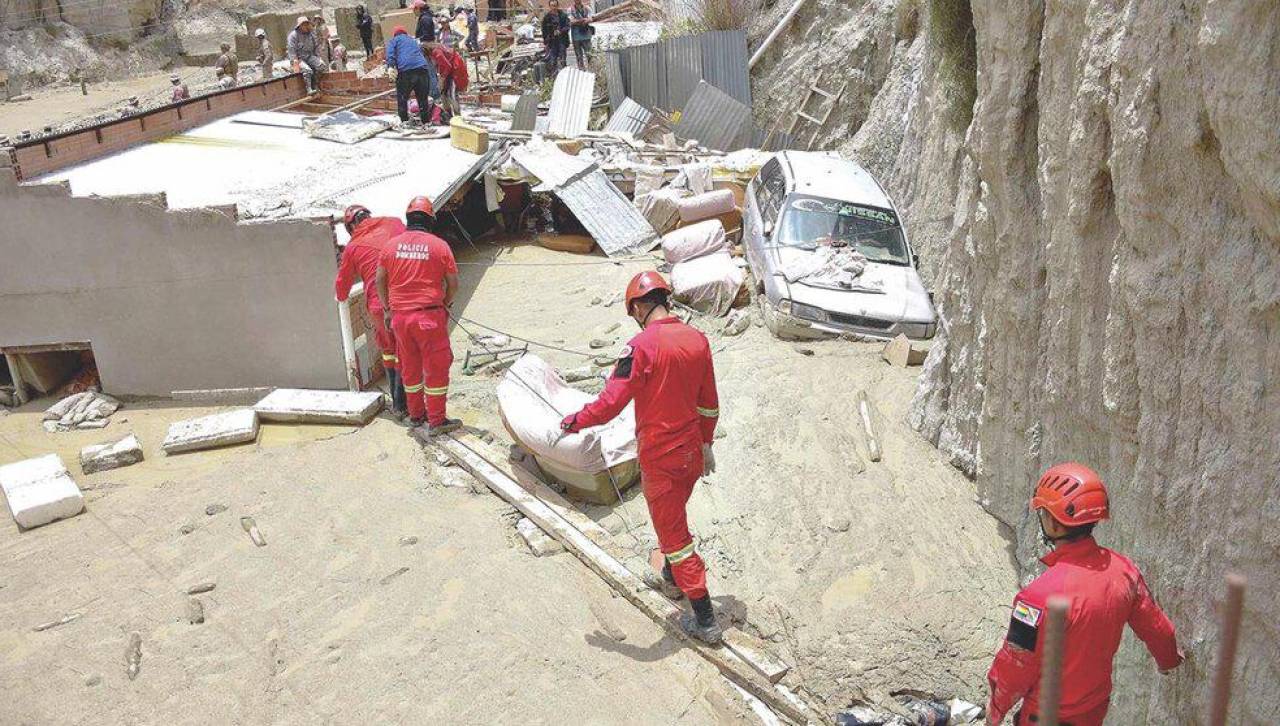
[784, 306]
[808, 312]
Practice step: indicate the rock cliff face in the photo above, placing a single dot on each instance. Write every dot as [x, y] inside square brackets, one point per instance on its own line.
[1094, 188]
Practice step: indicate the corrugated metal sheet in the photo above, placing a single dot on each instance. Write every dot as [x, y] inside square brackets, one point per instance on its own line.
[724, 62]
[553, 167]
[716, 120]
[613, 77]
[617, 226]
[525, 113]
[630, 117]
[642, 69]
[571, 102]
[682, 60]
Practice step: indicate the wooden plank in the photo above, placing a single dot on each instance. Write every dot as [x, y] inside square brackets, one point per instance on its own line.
[873, 441]
[807, 117]
[653, 604]
[755, 652]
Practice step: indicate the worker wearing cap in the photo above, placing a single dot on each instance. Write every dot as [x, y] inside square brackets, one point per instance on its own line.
[425, 31]
[369, 236]
[418, 278]
[266, 57]
[302, 48]
[227, 66]
[667, 371]
[1105, 590]
[180, 90]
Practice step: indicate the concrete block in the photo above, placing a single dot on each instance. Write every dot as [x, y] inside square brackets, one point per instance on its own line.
[467, 137]
[207, 432]
[101, 457]
[898, 352]
[539, 542]
[294, 405]
[40, 491]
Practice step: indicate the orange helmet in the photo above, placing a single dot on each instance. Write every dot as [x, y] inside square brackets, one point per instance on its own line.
[352, 212]
[643, 284]
[420, 204]
[1073, 494]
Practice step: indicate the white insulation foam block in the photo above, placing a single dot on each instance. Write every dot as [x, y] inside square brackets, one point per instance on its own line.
[296, 405]
[207, 432]
[40, 491]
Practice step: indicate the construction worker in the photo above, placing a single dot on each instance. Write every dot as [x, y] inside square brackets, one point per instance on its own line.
[425, 31]
[369, 236]
[303, 52]
[667, 370]
[180, 91]
[1106, 591]
[227, 66]
[418, 278]
[414, 75]
[266, 57]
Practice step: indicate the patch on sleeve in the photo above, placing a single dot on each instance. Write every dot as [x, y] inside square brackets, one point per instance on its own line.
[623, 367]
[1024, 626]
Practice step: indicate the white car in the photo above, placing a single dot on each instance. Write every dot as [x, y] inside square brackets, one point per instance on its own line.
[829, 253]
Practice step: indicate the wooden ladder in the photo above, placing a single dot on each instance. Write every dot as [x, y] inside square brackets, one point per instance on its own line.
[817, 123]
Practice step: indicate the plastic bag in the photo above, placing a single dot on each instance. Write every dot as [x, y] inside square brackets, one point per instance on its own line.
[696, 240]
[708, 284]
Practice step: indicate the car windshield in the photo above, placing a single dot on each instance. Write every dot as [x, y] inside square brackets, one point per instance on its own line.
[810, 222]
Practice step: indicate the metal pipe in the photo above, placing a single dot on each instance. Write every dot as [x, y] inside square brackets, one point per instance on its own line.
[1051, 666]
[1231, 615]
[782, 25]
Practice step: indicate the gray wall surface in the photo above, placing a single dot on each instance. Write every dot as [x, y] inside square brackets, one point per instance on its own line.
[169, 300]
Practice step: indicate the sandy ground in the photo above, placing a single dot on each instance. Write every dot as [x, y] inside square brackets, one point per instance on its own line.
[870, 577]
[336, 620]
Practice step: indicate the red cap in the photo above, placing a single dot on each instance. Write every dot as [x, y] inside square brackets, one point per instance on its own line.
[643, 284]
[421, 204]
[399, 30]
[1073, 494]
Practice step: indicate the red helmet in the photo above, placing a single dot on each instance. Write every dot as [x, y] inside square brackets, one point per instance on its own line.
[643, 284]
[355, 210]
[1073, 494]
[420, 204]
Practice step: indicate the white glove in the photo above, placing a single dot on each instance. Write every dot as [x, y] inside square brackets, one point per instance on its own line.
[708, 460]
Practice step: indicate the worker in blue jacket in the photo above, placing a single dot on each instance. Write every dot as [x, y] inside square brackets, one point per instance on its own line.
[413, 75]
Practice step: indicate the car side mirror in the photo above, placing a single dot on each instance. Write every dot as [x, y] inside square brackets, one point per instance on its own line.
[915, 260]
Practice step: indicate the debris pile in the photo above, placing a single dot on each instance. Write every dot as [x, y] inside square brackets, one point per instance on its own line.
[85, 410]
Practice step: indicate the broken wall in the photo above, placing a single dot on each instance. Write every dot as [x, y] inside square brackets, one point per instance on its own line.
[169, 299]
[1092, 188]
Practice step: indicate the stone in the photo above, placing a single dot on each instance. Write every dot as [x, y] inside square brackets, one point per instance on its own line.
[195, 611]
[443, 459]
[133, 655]
[208, 432]
[598, 343]
[898, 352]
[201, 588]
[738, 322]
[93, 680]
[604, 360]
[213, 509]
[186, 529]
[597, 300]
[580, 374]
[540, 544]
[296, 405]
[102, 457]
[802, 350]
[408, 541]
[39, 491]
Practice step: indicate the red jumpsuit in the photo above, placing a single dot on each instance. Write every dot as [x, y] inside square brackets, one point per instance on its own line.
[667, 370]
[1106, 591]
[361, 258]
[417, 263]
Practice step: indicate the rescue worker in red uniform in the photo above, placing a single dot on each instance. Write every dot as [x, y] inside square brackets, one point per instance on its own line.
[418, 277]
[667, 370]
[369, 235]
[1106, 591]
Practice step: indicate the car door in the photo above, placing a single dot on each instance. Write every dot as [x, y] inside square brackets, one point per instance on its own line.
[762, 212]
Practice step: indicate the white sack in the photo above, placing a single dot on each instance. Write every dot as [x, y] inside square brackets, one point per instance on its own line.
[523, 396]
[661, 209]
[706, 206]
[694, 177]
[708, 284]
[696, 240]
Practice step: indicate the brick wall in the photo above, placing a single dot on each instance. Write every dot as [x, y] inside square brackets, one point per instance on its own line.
[42, 156]
[348, 83]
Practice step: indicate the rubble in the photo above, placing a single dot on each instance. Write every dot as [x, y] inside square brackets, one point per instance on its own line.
[85, 410]
[102, 457]
[540, 544]
[899, 352]
[208, 432]
[293, 405]
[39, 491]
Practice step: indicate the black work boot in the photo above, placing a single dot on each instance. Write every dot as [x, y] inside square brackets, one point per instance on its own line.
[664, 583]
[398, 405]
[444, 427]
[701, 623]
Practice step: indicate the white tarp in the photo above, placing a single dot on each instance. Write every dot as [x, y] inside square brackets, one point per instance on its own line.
[708, 284]
[706, 206]
[533, 399]
[696, 240]
[829, 267]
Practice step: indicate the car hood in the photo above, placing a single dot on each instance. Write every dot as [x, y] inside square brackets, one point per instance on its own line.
[891, 292]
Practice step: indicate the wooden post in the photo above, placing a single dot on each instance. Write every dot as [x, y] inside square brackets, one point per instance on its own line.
[19, 386]
[873, 441]
[1051, 665]
[1227, 649]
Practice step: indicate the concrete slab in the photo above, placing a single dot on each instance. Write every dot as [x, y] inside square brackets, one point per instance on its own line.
[102, 457]
[207, 432]
[40, 491]
[295, 405]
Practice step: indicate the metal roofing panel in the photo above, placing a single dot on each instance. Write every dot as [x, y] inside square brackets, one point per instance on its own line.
[526, 112]
[724, 62]
[552, 166]
[682, 60]
[642, 70]
[630, 117]
[613, 76]
[715, 119]
[571, 102]
[617, 226]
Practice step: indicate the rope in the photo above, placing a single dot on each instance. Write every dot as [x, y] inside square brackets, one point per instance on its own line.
[459, 319]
